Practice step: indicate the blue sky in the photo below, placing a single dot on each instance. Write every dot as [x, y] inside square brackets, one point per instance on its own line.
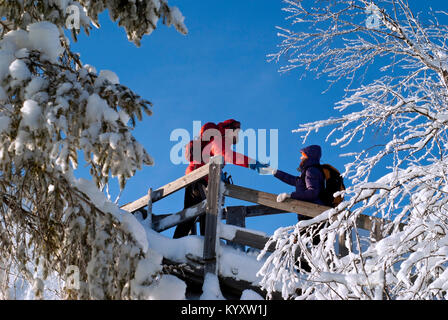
[218, 71]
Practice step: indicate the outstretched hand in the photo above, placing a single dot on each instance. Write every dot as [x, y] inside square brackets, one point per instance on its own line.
[257, 166]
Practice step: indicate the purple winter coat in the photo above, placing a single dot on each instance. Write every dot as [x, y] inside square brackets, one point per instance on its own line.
[311, 182]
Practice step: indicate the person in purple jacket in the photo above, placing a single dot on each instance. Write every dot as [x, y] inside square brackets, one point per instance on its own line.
[311, 181]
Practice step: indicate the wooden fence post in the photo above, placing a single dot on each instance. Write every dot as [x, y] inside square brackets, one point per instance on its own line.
[343, 250]
[376, 233]
[213, 210]
[236, 216]
[149, 207]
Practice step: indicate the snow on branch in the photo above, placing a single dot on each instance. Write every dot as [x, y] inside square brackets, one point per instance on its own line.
[396, 65]
[53, 108]
[138, 18]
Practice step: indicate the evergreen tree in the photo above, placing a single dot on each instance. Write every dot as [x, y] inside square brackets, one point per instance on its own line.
[52, 107]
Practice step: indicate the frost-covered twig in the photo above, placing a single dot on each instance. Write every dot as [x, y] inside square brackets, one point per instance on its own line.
[406, 103]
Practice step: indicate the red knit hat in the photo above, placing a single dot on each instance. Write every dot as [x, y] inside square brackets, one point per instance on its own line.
[198, 143]
[205, 127]
[229, 124]
[189, 150]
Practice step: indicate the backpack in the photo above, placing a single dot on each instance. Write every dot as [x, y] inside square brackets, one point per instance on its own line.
[333, 183]
[227, 178]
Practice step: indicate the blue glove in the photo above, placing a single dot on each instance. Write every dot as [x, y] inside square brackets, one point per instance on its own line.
[227, 178]
[257, 166]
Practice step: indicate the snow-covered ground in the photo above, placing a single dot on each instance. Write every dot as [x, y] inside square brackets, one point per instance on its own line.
[232, 263]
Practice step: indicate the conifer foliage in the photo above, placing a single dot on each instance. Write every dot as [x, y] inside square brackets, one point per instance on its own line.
[52, 109]
[396, 63]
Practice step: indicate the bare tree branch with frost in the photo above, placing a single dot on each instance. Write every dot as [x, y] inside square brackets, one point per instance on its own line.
[396, 64]
[52, 108]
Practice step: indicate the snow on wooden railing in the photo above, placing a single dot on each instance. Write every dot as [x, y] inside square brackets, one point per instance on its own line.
[212, 207]
[168, 189]
[270, 200]
[372, 224]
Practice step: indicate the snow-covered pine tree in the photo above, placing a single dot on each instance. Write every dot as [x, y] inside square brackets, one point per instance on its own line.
[405, 99]
[52, 108]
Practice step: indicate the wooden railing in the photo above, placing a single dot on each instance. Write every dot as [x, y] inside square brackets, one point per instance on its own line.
[212, 208]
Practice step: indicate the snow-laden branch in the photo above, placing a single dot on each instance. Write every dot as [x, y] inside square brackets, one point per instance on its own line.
[54, 107]
[406, 55]
[138, 18]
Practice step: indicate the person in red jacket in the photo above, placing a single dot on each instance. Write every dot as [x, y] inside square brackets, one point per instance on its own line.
[214, 139]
